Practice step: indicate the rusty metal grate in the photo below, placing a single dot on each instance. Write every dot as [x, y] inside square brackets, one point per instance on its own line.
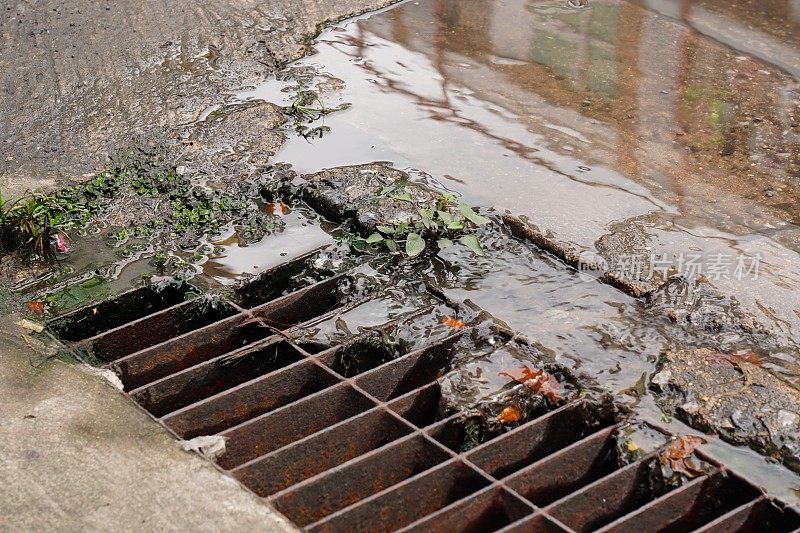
[363, 446]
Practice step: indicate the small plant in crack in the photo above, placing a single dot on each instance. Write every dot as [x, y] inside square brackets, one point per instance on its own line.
[33, 222]
[441, 223]
[307, 108]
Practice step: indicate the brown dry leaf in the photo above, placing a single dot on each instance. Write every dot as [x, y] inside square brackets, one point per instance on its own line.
[452, 322]
[36, 307]
[733, 359]
[546, 385]
[522, 374]
[277, 208]
[538, 381]
[509, 414]
[678, 455]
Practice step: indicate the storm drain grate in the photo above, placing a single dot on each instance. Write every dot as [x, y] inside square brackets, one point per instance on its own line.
[358, 443]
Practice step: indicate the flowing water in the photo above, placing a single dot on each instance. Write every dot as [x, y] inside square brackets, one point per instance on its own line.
[667, 129]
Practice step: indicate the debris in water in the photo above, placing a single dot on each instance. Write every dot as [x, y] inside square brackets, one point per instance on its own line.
[509, 415]
[452, 322]
[577, 4]
[676, 458]
[538, 381]
[60, 242]
[277, 208]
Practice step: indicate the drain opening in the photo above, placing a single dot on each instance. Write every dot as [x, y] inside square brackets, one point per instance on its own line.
[352, 433]
[129, 306]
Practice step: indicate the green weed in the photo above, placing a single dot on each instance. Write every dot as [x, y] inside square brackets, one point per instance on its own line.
[31, 222]
[441, 223]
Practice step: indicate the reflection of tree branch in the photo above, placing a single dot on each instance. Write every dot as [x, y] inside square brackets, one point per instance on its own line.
[451, 115]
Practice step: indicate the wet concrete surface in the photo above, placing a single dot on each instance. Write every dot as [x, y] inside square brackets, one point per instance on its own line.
[81, 78]
[733, 397]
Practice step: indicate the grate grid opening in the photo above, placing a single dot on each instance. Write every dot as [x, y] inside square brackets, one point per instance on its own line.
[355, 435]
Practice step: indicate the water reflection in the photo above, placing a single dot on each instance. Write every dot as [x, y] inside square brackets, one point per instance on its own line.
[678, 119]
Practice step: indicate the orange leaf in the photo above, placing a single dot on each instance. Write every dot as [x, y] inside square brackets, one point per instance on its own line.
[522, 374]
[678, 455]
[36, 307]
[538, 381]
[509, 414]
[452, 322]
[277, 208]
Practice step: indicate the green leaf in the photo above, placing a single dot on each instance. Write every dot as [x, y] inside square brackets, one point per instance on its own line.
[472, 216]
[471, 242]
[391, 245]
[414, 245]
[446, 217]
[427, 217]
[456, 224]
[444, 244]
[405, 197]
[388, 230]
[375, 237]
[358, 245]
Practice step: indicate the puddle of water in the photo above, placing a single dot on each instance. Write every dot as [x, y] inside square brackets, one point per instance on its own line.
[234, 262]
[582, 119]
[372, 313]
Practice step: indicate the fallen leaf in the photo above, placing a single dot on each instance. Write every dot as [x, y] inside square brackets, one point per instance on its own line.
[277, 208]
[522, 374]
[452, 322]
[415, 245]
[631, 446]
[546, 385]
[678, 456]
[538, 381]
[36, 307]
[733, 359]
[509, 414]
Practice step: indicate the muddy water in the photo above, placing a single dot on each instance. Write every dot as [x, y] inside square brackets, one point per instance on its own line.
[635, 128]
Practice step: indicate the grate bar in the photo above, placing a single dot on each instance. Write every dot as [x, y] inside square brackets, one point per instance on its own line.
[157, 328]
[419, 407]
[320, 452]
[540, 523]
[760, 515]
[689, 506]
[187, 350]
[94, 319]
[606, 499]
[566, 471]
[407, 373]
[250, 399]
[401, 504]
[216, 375]
[343, 486]
[288, 424]
[534, 440]
[488, 510]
